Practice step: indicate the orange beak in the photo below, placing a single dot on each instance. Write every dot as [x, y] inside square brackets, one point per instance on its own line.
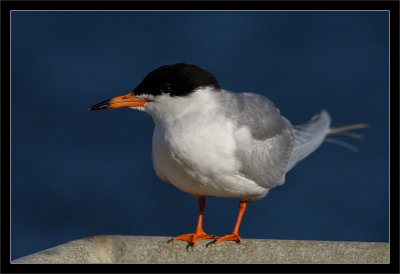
[127, 100]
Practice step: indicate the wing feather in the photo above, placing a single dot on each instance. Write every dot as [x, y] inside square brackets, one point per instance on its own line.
[264, 138]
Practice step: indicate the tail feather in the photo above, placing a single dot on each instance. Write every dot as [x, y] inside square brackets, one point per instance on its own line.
[343, 144]
[343, 132]
[308, 137]
[336, 130]
[347, 134]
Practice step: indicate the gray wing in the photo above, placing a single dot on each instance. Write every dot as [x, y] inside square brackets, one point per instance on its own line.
[264, 138]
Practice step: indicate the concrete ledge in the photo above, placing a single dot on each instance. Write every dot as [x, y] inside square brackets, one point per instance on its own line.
[146, 249]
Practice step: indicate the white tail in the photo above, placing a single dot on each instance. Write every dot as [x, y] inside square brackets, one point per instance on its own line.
[308, 137]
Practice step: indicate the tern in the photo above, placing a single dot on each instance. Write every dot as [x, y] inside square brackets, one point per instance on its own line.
[209, 141]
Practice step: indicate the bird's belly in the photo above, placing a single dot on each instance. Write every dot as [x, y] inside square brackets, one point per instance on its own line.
[202, 165]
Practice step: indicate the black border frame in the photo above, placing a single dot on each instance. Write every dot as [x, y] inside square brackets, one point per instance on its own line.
[392, 6]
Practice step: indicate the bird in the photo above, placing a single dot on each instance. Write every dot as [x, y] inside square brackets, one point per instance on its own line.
[208, 141]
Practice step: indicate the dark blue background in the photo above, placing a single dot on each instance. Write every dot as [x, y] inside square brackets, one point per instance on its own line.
[77, 173]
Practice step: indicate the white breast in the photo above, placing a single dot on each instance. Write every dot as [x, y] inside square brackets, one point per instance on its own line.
[196, 152]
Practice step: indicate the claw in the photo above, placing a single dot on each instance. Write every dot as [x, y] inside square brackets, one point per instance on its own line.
[189, 245]
[210, 243]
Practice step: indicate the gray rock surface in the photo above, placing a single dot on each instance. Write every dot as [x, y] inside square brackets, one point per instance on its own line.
[148, 249]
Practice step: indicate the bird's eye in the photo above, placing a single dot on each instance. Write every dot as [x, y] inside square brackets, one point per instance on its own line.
[166, 88]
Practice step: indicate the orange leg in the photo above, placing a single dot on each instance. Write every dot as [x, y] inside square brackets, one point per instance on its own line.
[234, 236]
[199, 234]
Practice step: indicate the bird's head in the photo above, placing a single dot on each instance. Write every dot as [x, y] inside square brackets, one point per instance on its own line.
[169, 81]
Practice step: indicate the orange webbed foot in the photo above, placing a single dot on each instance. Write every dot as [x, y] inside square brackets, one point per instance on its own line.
[229, 237]
[192, 238]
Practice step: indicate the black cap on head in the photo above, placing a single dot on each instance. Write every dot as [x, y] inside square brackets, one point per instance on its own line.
[177, 80]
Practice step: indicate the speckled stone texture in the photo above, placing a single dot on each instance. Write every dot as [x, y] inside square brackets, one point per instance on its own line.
[146, 249]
